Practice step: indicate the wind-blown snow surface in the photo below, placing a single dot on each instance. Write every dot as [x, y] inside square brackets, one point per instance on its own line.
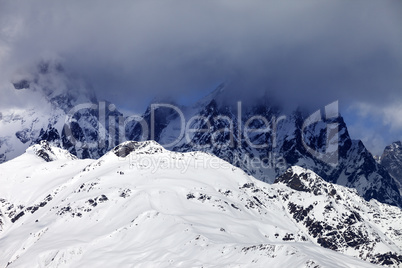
[141, 205]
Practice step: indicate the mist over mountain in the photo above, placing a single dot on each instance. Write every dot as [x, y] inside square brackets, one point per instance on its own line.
[261, 137]
[141, 49]
[310, 53]
[207, 133]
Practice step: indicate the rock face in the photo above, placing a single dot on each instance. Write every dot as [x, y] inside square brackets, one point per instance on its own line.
[391, 159]
[129, 147]
[49, 153]
[336, 218]
[139, 199]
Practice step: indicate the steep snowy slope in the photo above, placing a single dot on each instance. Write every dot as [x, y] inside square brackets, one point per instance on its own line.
[143, 205]
[391, 159]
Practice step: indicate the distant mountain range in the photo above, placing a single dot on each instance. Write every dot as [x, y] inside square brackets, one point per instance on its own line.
[316, 141]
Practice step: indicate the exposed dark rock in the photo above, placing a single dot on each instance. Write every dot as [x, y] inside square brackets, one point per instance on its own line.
[19, 215]
[299, 213]
[23, 84]
[234, 206]
[44, 155]
[293, 181]
[288, 237]
[50, 135]
[23, 135]
[125, 149]
[388, 259]
[102, 198]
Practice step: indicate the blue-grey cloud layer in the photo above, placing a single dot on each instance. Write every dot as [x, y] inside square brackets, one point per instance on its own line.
[339, 49]
[303, 51]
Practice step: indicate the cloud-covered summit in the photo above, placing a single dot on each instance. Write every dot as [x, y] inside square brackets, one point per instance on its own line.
[311, 52]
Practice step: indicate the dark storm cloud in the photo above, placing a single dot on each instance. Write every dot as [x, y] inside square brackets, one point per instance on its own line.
[130, 51]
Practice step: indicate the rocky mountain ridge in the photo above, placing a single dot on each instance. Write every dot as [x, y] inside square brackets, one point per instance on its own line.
[89, 129]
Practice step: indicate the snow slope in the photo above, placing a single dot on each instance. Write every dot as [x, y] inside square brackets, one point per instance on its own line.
[141, 205]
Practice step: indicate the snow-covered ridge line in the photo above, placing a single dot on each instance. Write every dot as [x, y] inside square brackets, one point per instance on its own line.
[115, 212]
[50, 153]
[92, 132]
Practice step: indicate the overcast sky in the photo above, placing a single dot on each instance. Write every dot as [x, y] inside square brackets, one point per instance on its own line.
[310, 52]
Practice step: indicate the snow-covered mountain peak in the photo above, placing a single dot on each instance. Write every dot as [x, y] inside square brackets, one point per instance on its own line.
[209, 213]
[286, 142]
[49, 152]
